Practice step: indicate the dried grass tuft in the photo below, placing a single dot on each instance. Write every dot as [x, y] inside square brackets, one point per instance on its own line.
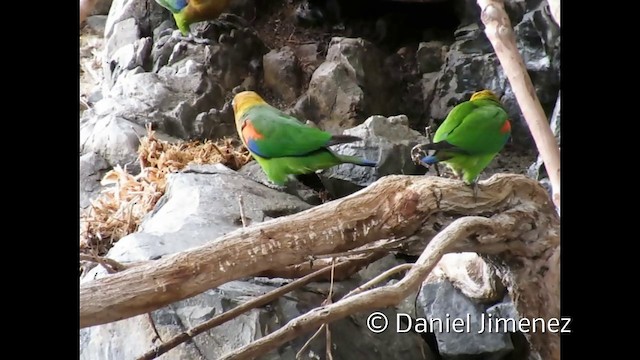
[120, 207]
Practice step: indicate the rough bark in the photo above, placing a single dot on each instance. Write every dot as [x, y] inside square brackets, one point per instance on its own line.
[525, 229]
[500, 32]
[520, 230]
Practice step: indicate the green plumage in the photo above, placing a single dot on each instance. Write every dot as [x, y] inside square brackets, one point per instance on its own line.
[187, 12]
[284, 135]
[283, 145]
[471, 136]
[278, 169]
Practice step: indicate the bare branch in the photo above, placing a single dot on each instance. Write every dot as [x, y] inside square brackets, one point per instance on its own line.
[377, 298]
[309, 267]
[110, 265]
[393, 207]
[242, 216]
[500, 32]
[241, 309]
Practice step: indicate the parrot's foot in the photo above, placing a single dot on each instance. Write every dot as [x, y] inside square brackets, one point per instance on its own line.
[474, 190]
[418, 153]
[273, 186]
[225, 28]
[192, 39]
[268, 184]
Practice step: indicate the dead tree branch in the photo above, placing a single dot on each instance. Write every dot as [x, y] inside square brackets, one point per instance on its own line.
[110, 265]
[500, 32]
[510, 226]
[391, 208]
[255, 303]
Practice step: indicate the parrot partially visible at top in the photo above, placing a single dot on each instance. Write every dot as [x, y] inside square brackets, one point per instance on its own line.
[187, 12]
[470, 137]
[282, 144]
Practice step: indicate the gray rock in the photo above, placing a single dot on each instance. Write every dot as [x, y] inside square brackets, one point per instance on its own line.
[504, 310]
[472, 65]
[294, 187]
[215, 124]
[132, 56]
[102, 7]
[350, 336]
[112, 137]
[333, 97]
[130, 338]
[430, 56]
[444, 305]
[125, 32]
[92, 169]
[428, 86]
[97, 23]
[385, 140]
[282, 73]
[185, 95]
[308, 53]
[147, 13]
[351, 84]
[201, 204]
[171, 99]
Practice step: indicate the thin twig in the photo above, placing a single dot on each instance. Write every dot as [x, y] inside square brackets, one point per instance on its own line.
[327, 301]
[326, 325]
[238, 310]
[378, 279]
[153, 326]
[242, 217]
[113, 267]
[387, 246]
[375, 298]
[306, 344]
[110, 265]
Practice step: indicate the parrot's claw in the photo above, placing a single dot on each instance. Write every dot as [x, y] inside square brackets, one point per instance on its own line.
[192, 39]
[474, 191]
[274, 186]
[417, 153]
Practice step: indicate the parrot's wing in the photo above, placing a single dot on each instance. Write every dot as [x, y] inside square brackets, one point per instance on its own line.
[270, 133]
[481, 131]
[453, 120]
[174, 6]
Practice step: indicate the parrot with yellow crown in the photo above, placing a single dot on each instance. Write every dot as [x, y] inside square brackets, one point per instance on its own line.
[469, 138]
[282, 144]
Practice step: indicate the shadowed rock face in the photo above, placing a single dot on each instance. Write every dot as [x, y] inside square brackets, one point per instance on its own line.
[383, 74]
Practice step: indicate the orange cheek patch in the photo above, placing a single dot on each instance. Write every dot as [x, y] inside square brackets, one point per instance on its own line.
[506, 127]
[249, 132]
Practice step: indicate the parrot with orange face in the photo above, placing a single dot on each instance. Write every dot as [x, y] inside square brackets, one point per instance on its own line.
[282, 144]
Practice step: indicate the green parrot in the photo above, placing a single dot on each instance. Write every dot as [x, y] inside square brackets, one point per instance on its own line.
[470, 137]
[187, 12]
[283, 145]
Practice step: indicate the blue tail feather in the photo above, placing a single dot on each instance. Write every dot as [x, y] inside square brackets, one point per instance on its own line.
[368, 163]
[430, 160]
